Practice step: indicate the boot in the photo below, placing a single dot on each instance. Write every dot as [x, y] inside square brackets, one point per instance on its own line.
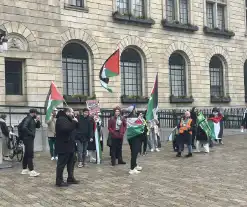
[72, 181]
[189, 155]
[178, 154]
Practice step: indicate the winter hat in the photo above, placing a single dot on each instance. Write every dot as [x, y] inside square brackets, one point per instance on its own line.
[85, 109]
[187, 114]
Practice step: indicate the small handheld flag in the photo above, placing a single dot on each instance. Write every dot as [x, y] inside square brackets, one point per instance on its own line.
[54, 98]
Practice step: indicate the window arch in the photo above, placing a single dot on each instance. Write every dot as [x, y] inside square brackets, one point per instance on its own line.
[75, 70]
[216, 77]
[131, 72]
[245, 80]
[177, 68]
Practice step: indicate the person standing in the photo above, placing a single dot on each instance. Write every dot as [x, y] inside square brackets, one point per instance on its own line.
[65, 146]
[28, 131]
[51, 132]
[117, 127]
[5, 133]
[185, 134]
[134, 143]
[84, 135]
[144, 139]
[194, 125]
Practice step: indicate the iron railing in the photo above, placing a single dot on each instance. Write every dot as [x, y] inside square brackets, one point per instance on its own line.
[168, 118]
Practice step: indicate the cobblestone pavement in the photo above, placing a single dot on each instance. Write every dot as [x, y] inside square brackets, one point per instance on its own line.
[206, 180]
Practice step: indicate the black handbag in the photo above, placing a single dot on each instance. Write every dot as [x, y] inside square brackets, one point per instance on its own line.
[109, 140]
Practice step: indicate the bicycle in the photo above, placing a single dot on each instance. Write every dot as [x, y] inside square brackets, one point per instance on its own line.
[16, 146]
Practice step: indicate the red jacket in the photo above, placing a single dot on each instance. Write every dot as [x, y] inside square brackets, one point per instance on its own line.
[112, 128]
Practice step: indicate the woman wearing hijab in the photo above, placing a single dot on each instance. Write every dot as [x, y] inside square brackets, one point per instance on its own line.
[185, 134]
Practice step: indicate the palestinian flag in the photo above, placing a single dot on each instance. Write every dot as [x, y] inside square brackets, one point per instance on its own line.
[97, 143]
[135, 127]
[153, 102]
[205, 126]
[109, 69]
[54, 98]
[216, 125]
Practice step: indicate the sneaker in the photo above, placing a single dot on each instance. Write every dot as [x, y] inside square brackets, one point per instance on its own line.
[34, 173]
[133, 172]
[138, 168]
[53, 158]
[25, 172]
[92, 159]
[152, 150]
[7, 158]
[157, 150]
[80, 164]
[56, 158]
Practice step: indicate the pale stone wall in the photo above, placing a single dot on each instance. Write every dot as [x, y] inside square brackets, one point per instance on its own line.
[47, 27]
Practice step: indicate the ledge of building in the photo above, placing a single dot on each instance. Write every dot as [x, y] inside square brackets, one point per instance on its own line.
[75, 8]
[216, 31]
[133, 99]
[179, 26]
[127, 18]
[181, 99]
[221, 99]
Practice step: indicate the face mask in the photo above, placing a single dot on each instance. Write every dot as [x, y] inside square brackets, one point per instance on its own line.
[215, 113]
[34, 116]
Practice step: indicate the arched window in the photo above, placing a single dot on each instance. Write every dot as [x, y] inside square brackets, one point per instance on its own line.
[216, 77]
[245, 80]
[177, 68]
[75, 70]
[131, 73]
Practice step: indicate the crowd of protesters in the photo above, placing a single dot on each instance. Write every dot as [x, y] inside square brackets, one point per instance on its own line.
[71, 138]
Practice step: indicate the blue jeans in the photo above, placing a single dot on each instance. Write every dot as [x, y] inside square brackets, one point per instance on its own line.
[81, 150]
[181, 147]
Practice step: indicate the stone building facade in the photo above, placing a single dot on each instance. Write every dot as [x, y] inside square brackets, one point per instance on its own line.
[197, 47]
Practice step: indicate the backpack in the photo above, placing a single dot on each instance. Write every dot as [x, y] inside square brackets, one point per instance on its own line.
[20, 128]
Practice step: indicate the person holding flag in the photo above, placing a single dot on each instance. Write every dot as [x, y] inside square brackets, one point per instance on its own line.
[135, 132]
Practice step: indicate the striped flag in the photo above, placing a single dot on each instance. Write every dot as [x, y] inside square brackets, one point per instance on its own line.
[97, 143]
[54, 98]
[135, 127]
[109, 69]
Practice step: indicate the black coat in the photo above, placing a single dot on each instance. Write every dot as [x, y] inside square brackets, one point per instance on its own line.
[201, 135]
[29, 126]
[65, 127]
[92, 145]
[84, 128]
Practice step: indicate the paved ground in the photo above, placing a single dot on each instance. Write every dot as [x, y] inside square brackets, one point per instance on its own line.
[214, 180]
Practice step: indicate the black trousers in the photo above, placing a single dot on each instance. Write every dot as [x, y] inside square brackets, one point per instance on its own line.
[134, 148]
[193, 137]
[116, 150]
[27, 161]
[143, 144]
[64, 159]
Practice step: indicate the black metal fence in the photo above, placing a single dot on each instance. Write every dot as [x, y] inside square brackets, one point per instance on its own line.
[168, 118]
